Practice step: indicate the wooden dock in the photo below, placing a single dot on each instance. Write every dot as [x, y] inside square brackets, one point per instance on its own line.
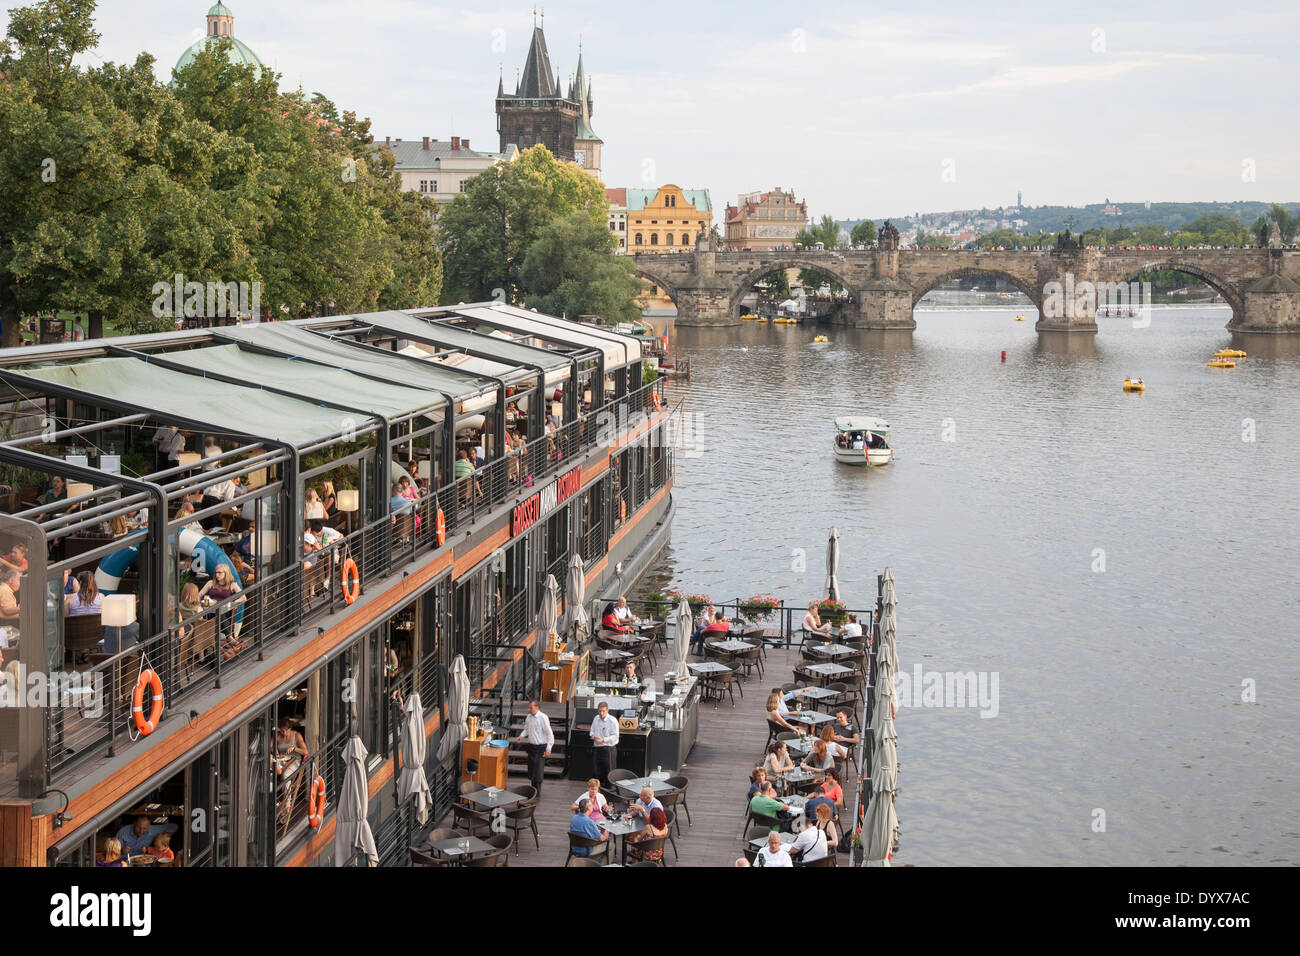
[729, 746]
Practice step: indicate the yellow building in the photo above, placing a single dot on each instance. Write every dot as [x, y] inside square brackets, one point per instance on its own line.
[665, 220]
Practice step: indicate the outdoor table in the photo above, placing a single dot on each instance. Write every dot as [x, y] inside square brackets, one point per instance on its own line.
[628, 639]
[800, 775]
[708, 667]
[451, 848]
[796, 746]
[619, 827]
[818, 693]
[493, 797]
[786, 839]
[810, 717]
[796, 802]
[606, 654]
[734, 646]
[831, 650]
[636, 785]
[828, 672]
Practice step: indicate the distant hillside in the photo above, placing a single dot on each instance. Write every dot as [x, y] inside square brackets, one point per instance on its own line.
[1171, 215]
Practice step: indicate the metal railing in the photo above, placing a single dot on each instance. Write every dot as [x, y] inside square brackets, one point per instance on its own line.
[779, 624]
[195, 653]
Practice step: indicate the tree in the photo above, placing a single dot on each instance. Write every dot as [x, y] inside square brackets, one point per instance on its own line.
[932, 240]
[1287, 224]
[571, 270]
[485, 233]
[863, 234]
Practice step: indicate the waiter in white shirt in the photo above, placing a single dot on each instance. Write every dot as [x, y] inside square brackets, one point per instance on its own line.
[604, 741]
[538, 739]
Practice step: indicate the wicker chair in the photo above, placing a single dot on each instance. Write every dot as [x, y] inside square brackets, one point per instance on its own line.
[644, 847]
[585, 861]
[522, 816]
[681, 783]
[593, 846]
[499, 855]
[470, 820]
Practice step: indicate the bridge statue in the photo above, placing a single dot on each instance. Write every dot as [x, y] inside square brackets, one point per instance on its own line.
[1067, 243]
[887, 237]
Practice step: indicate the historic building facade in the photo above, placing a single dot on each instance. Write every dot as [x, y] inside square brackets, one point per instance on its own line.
[441, 169]
[539, 112]
[221, 26]
[761, 222]
[666, 219]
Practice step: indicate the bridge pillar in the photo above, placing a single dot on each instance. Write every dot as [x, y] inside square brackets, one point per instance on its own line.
[1068, 282]
[884, 304]
[1269, 305]
[704, 301]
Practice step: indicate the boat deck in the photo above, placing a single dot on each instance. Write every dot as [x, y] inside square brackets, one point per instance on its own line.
[729, 746]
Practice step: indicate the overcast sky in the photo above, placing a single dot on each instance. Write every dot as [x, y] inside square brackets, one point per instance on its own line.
[862, 108]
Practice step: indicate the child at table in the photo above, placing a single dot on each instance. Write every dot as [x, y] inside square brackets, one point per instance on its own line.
[161, 848]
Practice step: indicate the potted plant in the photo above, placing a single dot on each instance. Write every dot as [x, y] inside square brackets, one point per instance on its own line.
[858, 851]
[832, 612]
[759, 607]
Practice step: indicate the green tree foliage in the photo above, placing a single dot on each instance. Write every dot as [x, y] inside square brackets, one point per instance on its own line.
[932, 240]
[485, 233]
[571, 270]
[827, 232]
[863, 234]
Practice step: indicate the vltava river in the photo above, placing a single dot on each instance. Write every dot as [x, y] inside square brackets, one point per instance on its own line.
[1125, 564]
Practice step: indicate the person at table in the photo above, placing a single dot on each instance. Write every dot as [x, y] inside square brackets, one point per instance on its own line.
[757, 782]
[852, 629]
[812, 621]
[645, 803]
[630, 675]
[290, 748]
[837, 750]
[831, 789]
[583, 825]
[140, 833]
[185, 510]
[85, 598]
[783, 704]
[538, 740]
[845, 732]
[819, 758]
[112, 853]
[329, 499]
[717, 628]
[16, 558]
[58, 491]
[245, 570]
[604, 741]
[326, 535]
[465, 470]
[219, 587]
[222, 491]
[778, 760]
[766, 803]
[705, 619]
[161, 848]
[811, 844]
[610, 622]
[774, 854]
[656, 827]
[597, 805]
[313, 508]
[10, 581]
[774, 713]
[624, 613]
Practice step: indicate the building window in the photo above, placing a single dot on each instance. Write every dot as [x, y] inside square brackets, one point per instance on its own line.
[668, 239]
[638, 239]
[686, 240]
[463, 182]
[622, 227]
[654, 238]
[611, 227]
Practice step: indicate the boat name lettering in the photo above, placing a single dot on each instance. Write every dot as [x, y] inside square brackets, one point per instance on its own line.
[528, 513]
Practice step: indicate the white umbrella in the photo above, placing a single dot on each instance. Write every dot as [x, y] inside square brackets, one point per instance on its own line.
[457, 711]
[878, 829]
[576, 624]
[412, 783]
[883, 699]
[683, 624]
[833, 565]
[351, 828]
[884, 767]
[550, 611]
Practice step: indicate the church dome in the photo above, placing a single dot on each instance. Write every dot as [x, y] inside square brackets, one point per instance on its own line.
[221, 26]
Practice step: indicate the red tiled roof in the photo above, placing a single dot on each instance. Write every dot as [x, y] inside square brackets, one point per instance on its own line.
[617, 197]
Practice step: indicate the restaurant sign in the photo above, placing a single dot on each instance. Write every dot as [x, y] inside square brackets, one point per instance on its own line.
[540, 505]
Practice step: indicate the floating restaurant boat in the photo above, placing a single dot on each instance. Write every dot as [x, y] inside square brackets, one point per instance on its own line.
[862, 440]
[249, 713]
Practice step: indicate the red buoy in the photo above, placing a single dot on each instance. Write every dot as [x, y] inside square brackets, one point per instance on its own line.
[1004, 355]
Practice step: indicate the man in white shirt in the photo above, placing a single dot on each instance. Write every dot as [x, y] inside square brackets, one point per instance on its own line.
[162, 443]
[222, 491]
[774, 854]
[604, 741]
[645, 803]
[624, 613]
[810, 845]
[174, 448]
[538, 739]
[853, 629]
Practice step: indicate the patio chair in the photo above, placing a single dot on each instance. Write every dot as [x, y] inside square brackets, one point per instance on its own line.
[827, 860]
[594, 848]
[619, 773]
[645, 847]
[585, 861]
[469, 820]
[420, 858]
[470, 786]
[522, 816]
[681, 783]
[443, 833]
[671, 814]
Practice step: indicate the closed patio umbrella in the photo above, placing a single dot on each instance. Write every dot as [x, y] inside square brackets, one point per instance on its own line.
[549, 615]
[412, 783]
[878, 830]
[457, 711]
[683, 625]
[884, 766]
[576, 624]
[833, 565]
[351, 828]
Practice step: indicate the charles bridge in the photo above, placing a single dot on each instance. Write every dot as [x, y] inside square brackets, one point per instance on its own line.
[1066, 285]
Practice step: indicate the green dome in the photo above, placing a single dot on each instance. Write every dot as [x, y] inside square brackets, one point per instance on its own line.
[239, 52]
[220, 10]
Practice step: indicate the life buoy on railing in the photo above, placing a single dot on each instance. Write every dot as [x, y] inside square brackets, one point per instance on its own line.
[622, 511]
[440, 528]
[350, 592]
[658, 404]
[147, 679]
[316, 803]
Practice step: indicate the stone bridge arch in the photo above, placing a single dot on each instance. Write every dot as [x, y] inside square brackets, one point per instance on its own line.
[666, 286]
[1032, 289]
[1127, 270]
[744, 281]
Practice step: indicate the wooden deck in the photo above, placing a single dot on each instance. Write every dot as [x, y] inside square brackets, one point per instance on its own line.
[729, 746]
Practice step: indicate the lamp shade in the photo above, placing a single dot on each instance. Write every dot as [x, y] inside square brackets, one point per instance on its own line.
[557, 409]
[255, 479]
[78, 488]
[187, 459]
[117, 610]
[422, 469]
[348, 499]
[268, 543]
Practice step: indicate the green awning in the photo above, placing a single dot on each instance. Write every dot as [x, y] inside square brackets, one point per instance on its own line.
[506, 352]
[292, 341]
[217, 405]
[318, 383]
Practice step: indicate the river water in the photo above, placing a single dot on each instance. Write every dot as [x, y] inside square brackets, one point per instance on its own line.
[1124, 564]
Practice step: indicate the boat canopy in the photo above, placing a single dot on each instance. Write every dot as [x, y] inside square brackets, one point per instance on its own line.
[618, 350]
[862, 423]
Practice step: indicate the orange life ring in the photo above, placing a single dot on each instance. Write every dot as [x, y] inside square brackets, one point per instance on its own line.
[622, 511]
[658, 404]
[316, 803]
[350, 594]
[440, 528]
[147, 677]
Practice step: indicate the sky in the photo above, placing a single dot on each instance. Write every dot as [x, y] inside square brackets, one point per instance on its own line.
[862, 108]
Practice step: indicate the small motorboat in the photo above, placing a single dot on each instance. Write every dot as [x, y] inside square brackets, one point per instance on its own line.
[1134, 386]
[1021, 318]
[1221, 363]
[748, 317]
[862, 440]
[1229, 353]
[820, 340]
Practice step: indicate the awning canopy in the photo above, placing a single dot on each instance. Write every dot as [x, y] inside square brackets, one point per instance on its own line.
[175, 395]
[631, 345]
[318, 383]
[503, 352]
[291, 341]
[615, 349]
